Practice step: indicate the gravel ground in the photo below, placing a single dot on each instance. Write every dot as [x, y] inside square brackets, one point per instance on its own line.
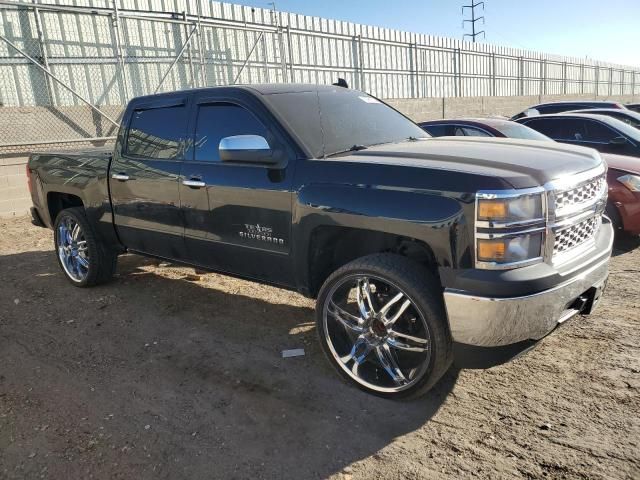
[163, 374]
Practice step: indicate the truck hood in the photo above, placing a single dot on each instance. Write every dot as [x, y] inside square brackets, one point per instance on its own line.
[522, 163]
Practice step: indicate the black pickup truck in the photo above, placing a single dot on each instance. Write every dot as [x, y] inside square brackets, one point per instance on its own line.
[409, 243]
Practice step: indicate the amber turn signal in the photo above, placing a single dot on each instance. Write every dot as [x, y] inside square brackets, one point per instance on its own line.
[491, 250]
[492, 209]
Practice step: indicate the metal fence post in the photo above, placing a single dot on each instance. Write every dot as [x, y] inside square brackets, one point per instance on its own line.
[521, 75]
[597, 81]
[494, 87]
[564, 78]
[457, 72]
[361, 63]
[189, 54]
[542, 73]
[413, 68]
[290, 47]
[610, 81]
[203, 76]
[115, 22]
[582, 79]
[43, 53]
[283, 60]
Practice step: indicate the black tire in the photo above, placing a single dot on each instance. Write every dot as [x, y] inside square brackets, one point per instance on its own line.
[422, 289]
[102, 261]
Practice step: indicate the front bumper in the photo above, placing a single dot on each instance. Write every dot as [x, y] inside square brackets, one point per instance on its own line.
[35, 218]
[491, 321]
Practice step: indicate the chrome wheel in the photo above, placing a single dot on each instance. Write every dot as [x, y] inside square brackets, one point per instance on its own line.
[376, 333]
[72, 249]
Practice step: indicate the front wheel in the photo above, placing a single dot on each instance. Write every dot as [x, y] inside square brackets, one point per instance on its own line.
[382, 325]
[84, 260]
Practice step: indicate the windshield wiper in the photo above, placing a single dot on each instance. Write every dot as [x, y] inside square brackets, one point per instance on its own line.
[353, 148]
[356, 148]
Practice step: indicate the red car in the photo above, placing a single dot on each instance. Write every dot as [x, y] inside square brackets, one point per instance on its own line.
[623, 206]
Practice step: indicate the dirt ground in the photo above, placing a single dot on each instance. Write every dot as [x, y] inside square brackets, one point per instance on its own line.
[161, 375]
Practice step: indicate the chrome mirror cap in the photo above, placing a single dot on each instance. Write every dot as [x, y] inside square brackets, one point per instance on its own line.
[248, 149]
[244, 142]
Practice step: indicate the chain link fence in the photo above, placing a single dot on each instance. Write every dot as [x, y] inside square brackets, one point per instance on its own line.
[66, 71]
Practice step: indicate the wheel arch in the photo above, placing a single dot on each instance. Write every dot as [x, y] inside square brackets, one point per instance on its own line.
[331, 247]
[58, 201]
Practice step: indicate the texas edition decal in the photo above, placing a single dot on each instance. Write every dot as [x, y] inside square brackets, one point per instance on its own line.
[260, 233]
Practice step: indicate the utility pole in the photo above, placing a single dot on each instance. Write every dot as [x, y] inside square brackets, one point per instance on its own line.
[473, 20]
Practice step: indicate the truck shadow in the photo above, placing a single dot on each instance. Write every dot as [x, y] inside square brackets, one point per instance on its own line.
[186, 378]
[624, 244]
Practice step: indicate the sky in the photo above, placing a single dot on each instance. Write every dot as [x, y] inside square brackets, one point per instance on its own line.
[604, 30]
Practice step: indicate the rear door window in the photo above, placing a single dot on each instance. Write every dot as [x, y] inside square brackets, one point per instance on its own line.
[471, 132]
[437, 130]
[551, 127]
[546, 109]
[157, 133]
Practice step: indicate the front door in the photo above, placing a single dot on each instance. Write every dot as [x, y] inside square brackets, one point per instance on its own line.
[237, 216]
[145, 175]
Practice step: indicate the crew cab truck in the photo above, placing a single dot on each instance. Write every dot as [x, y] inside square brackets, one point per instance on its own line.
[408, 243]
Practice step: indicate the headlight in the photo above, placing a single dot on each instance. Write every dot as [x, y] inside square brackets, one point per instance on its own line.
[632, 182]
[510, 228]
[526, 208]
[510, 249]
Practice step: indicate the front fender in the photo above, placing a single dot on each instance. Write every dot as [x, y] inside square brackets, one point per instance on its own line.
[439, 219]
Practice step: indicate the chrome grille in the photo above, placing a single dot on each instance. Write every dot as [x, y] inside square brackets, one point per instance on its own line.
[576, 235]
[586, 193]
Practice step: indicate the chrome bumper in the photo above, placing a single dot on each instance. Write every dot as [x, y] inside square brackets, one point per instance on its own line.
[492, 322]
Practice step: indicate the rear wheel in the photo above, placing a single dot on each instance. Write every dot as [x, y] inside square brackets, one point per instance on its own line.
[83, 259]
[382, 325]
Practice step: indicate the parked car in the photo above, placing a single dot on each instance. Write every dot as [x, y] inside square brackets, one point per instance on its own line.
[626, 116]
[605, 134]
[559, 107]
[623, 205]
[633, 106]
[408, 243]
[480, 127]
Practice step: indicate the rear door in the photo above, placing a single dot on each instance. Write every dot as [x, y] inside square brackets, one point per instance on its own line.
[144, 183]
[237, 216]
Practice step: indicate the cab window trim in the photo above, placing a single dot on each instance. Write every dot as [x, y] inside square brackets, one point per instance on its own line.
[209, 100]
[155, 105]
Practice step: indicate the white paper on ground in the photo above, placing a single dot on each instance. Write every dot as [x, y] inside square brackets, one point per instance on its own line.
[296, 352]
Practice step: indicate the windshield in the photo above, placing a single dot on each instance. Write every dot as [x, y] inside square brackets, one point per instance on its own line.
[331, 121]
[515, 130]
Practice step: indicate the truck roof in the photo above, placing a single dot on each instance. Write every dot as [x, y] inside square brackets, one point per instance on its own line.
[260, 88]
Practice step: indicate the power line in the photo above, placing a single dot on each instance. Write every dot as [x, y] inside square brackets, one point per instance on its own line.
[473, 20]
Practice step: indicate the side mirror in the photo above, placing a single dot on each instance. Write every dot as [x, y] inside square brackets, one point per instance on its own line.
[531, 112]
[246, 149]
[618, 141]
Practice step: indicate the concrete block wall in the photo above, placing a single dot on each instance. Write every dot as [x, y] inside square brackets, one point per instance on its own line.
[14, 194]
[24, 124]
[423, 109]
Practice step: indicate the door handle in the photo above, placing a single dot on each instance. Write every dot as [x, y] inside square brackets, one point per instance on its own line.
[193, 183]
[123, 177]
